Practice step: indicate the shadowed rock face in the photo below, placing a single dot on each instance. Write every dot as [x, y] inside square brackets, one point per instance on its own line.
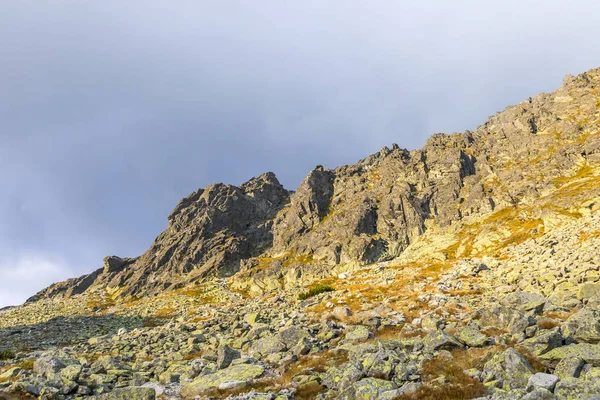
[370, 211]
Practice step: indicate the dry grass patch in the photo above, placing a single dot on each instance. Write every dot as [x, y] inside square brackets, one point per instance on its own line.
[193, 356]
[559, 315]
[395, 332]
[490, 331]
[548, 323]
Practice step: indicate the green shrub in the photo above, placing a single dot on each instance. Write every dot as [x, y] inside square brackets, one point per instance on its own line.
[315, 291]
[7, 355]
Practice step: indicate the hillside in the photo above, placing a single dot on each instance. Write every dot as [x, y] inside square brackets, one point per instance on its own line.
[466, 269]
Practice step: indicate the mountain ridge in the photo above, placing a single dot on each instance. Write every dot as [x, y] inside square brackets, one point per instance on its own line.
[400, 192]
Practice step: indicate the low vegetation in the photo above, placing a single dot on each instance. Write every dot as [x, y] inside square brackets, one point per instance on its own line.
[6, 355]
[315, 291]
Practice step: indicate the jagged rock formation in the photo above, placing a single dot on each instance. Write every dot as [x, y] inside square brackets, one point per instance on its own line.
[373, 210]
[209, 232]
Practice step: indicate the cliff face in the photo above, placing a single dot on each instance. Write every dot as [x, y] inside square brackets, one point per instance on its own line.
[377, 208]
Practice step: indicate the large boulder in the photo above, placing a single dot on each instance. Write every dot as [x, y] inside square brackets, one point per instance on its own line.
[48, 366]
[505, 318]
[267, 345]
[472, 337]
[239, 374]
[509, 369]
[543, 342]
[590, 353]
[542, 381]
[524, 301]
[440, 340]
[583, 326]
[569, 367]
[573, 388]
[225, 356]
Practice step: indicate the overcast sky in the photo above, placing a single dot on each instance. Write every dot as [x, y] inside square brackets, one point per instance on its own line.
[111, 111]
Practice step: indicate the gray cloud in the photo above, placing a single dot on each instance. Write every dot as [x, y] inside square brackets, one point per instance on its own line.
[111, 111]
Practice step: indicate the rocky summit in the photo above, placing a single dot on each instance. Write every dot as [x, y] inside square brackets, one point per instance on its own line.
[468, 269]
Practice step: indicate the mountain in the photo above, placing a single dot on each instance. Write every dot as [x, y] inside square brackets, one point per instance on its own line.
[468, 268]
[370, 211]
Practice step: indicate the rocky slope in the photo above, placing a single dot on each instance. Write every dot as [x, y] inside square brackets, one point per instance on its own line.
[466, 269]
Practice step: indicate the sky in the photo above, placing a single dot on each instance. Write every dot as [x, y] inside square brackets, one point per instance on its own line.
[111, 111]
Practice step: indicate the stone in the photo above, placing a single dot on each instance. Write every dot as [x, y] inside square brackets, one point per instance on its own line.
[357, 334]
[71, 372]
[472, 337]
[235, 373]
[251, 318]
[341, 313]
[543, 342]
[583, 326]
[569, 367]
[373, 389]
[543, 381]
[267, 345]
[225, 356]
[539, 394]
[47, 366]
[573, 388]
[588, 291]
[510, 369]
[524, 302]
[11, 373]
[440, 340]
[590, 353]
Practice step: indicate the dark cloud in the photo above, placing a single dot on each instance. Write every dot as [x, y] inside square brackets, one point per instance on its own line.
[111, 111]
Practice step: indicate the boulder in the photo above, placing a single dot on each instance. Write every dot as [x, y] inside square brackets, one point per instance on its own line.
[341, 313]
[542, 381]
[510, 368]
[583, 326]
[373, 389]
[440, 340]
[588, 291]
[543, 342]
[235, 373]
[267, 345]
[524, 302]
[590, 353]
[47, 366]
[573, 388]
[472, 337]
[569, 367]
[225, 356]
[357, 334]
